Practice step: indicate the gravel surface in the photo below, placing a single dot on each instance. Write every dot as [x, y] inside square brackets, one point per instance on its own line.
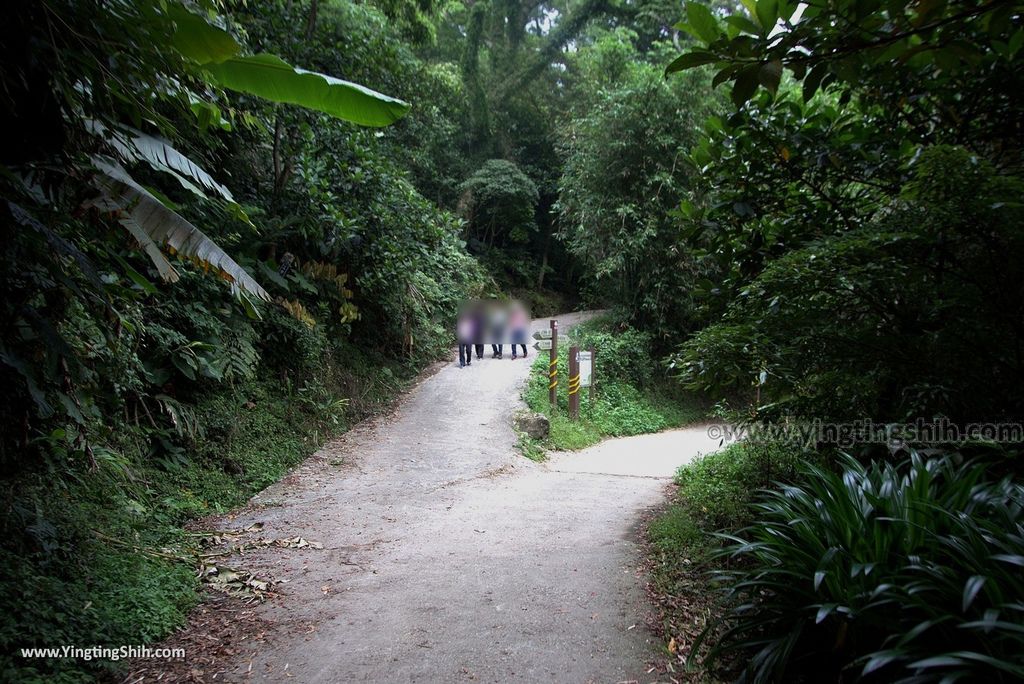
[449, 557]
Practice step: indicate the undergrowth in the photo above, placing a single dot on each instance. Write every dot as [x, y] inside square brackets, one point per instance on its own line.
[632, 396]
[713, 493]
[101, 558]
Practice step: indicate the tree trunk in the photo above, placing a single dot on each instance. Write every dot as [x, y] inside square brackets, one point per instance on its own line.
[544, 259]
[314, 9]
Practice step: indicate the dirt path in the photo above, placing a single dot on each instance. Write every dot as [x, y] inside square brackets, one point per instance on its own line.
[449, 557]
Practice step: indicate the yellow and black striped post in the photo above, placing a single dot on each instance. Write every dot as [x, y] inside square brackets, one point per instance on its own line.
[553, 366]
[574, 383]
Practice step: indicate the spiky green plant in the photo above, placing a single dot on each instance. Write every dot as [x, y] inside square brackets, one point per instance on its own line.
[910, 572]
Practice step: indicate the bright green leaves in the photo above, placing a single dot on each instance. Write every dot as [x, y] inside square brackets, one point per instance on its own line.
[270, 77]
[928, 41]
[199, 40]
[745, 74]
[767, 12]
[689, 60]
[702, 24]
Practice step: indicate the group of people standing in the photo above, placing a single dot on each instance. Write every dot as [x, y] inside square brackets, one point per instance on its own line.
[495, 323]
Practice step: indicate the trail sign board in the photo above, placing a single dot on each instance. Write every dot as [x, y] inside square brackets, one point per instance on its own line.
[541, 345]
[586, 361]
[542, 334]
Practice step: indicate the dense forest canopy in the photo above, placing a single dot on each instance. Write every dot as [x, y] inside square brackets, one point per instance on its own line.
[228, 226]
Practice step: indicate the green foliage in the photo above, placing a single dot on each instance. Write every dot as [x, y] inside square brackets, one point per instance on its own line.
[858, 212]
[677, 535]
[857, 220]
[892, 52]
[120, 597]
[79, 588]
[625, 352]
[271, 77]
[530, 447]
[499, 201]
[908, 570]
[714, 492]
[809, 332]
[625, 150]
[717, 488]
[572, 435]
[143, 392]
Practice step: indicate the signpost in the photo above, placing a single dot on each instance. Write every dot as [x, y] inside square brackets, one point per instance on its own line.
[581, 369]
[543, 338]
[586, 367]
[574, 383]
[553, 365]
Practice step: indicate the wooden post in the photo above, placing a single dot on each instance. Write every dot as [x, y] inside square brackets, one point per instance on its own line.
[574, 383]
[553, 366]
[593, 373]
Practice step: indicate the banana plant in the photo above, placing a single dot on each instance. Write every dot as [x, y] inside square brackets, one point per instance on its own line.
[218, 59]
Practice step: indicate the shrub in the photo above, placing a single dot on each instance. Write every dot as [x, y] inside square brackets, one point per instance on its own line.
[499, 202]
[623, 411]
[719, 487]
[622, 356]
[908, 571]
[865, 323]
[676, 533]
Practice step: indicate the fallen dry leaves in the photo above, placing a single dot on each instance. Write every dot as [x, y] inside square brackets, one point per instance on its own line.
[219, 630]
[237, 581]
[684, 605]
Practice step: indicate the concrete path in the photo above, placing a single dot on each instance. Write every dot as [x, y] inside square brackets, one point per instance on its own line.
[451, 558]
[656, 455]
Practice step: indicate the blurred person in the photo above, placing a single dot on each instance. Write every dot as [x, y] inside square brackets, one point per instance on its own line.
[497, 319]
[519, 323]
[479, 326]
[465, 329]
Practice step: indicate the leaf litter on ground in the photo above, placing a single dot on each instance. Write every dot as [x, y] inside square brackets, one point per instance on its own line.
[237, 581]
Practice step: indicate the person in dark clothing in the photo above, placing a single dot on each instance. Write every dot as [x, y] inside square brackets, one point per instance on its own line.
[496, 351]
[479, 352]
[518, 323]
[465, 333]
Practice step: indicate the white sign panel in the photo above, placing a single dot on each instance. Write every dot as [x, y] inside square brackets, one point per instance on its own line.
[542, 334]
[542, 344]
[586, 368]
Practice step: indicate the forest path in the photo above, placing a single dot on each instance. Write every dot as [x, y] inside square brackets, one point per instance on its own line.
[449, 557]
